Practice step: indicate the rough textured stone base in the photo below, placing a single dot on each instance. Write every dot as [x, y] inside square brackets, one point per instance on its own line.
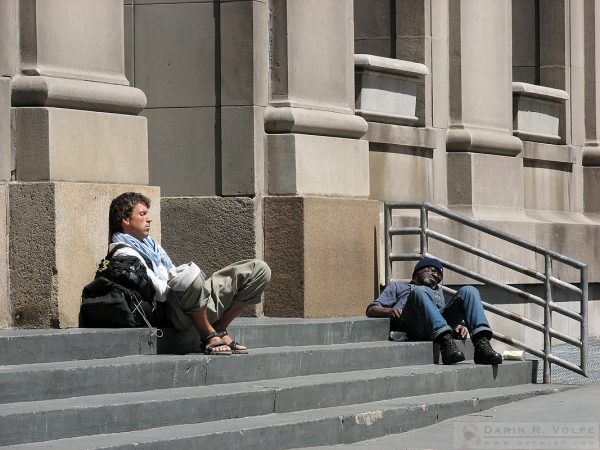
[211, 231]
[57, 233]
[322, 256]
[4, 302]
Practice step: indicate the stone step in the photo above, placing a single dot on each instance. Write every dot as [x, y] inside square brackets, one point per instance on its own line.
[29, 382]
[111, 413]
[324, 426]
[43, 346]
[275, 332]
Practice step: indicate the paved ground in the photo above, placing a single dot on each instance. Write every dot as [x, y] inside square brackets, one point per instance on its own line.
[571, 354]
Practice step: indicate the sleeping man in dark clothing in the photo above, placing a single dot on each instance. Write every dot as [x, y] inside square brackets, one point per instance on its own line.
[419, 309]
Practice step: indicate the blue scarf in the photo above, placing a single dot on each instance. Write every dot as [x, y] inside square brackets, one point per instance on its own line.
[147, 248]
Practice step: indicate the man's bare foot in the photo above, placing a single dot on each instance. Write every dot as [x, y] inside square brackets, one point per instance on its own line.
[234, 346]
[213, 344]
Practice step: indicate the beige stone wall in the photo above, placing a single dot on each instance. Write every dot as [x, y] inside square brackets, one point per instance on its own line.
[204, 67]
[58, 234]
[323, 256]
[252, 102]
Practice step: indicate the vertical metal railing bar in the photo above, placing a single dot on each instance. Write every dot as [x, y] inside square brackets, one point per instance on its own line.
[387, 217]
[424, 228]
[547, 318]
[549, 281]
[584, 322]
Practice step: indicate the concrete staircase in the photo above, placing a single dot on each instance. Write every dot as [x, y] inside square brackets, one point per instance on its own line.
[305, 383]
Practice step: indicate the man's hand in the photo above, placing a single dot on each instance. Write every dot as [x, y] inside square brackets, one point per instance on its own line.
[384, 311]
[461, 332]
[395, 313]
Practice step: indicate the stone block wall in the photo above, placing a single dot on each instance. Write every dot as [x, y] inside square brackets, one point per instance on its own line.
[249, 115]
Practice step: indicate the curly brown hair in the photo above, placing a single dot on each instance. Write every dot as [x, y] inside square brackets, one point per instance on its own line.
[121, 208]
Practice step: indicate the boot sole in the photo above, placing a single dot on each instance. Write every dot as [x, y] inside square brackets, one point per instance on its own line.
[456, 358]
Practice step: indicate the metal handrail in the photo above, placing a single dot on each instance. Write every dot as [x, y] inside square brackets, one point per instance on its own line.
[424, 232]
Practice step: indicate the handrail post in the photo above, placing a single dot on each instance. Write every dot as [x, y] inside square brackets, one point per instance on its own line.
[584, 315]
[387, 223]
[424, 226]
[547, 318]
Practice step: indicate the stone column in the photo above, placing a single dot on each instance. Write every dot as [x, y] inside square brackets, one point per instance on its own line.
[319, 225]
[591, 150]
[483, 170]
[76, 142]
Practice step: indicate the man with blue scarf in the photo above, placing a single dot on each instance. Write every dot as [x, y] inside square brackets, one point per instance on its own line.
[210, 304]
[419, 309]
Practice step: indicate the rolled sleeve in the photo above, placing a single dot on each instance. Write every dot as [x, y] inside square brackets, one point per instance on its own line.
[394, 295]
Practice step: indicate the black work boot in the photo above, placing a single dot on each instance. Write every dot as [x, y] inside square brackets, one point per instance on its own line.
[449, 350]
[484, 353]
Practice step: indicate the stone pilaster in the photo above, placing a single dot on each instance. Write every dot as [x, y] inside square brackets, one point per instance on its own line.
[314, 150]
[76, 141]
[591, 150]
[480, 119]
[312, 93]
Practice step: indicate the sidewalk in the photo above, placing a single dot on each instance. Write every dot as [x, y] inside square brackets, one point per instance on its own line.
[571, 354]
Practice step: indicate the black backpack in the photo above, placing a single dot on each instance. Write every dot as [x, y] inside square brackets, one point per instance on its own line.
[121, 294]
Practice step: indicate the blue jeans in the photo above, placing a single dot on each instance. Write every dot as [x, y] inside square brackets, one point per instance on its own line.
[422, 319]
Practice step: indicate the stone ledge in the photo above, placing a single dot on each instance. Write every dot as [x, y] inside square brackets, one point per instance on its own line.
[313, 121]
[76, 94]
[537, 137]
[389, 65]
[386, 89]
[536, 91]
[591, 154]
[548, 152]
[539, 113]
[405, 136]
[375, 116]
[482, 141]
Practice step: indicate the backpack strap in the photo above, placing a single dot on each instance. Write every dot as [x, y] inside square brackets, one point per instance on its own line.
[119, 246]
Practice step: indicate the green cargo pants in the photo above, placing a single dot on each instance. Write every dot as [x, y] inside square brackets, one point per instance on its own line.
[240, 283]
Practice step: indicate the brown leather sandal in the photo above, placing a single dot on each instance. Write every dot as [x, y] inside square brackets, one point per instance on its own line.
[209, 349]
[234, 345]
